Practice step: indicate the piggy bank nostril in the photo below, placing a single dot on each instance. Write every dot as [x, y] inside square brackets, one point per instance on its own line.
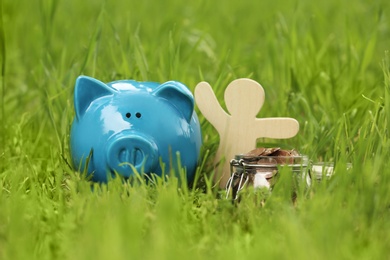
[128, 115]
[122, 155]
[137, 157]
[138, 115]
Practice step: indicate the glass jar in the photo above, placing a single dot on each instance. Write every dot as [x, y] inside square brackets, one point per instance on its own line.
[260, 171]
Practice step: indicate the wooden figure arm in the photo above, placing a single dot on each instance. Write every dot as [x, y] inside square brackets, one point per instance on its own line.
[278, 127]
[208, 104]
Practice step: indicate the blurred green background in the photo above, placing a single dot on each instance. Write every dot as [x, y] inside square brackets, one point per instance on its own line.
[325, 63]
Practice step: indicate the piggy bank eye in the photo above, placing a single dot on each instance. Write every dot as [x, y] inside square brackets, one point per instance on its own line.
[128, 115]
[138, 115]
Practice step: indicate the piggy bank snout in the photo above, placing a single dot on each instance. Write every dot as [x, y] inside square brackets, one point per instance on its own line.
[128, 150]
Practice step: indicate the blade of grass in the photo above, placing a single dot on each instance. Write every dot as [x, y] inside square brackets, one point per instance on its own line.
[2, 80]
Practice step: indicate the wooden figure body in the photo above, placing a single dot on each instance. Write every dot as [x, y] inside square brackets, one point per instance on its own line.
[239, 129]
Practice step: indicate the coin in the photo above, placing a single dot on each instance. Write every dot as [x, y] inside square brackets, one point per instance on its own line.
[262, 151]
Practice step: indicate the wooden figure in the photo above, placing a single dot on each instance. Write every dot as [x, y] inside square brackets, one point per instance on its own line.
[239, 129]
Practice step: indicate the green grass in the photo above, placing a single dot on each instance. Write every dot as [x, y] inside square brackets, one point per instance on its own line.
[325, 63]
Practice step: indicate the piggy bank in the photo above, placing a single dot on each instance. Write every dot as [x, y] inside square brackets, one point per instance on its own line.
[126, 126]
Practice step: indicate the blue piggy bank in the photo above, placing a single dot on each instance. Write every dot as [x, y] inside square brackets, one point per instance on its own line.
[127, 125]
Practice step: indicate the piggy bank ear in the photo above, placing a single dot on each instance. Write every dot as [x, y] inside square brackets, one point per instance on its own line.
[88, 89]
[179, 95]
